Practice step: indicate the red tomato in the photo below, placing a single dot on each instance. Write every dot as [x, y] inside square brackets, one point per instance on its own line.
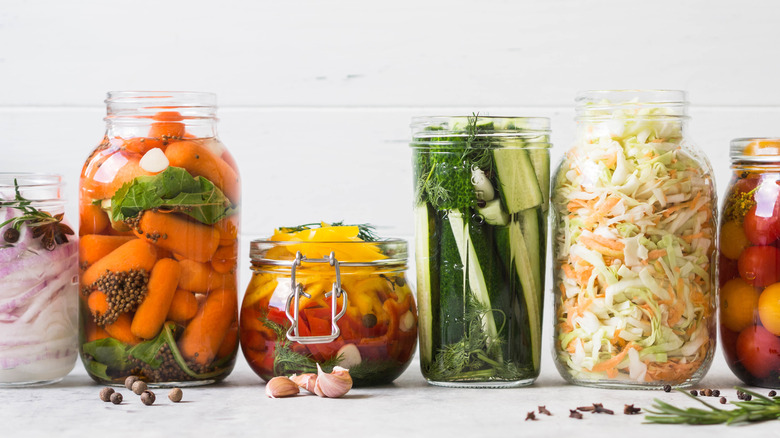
[760, 265]
[762, 229]
[759, 351]
[727, 269]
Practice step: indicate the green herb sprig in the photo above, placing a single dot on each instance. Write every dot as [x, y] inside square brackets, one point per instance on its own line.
[49, 228]
[759, 408]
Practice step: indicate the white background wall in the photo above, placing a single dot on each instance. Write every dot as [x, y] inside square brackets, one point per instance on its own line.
[316, 96]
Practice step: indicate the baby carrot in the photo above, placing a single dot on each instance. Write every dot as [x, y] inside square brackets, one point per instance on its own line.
[228, 230]
[117, 169]
[200, 161]
[92, 218]
[200, 278]
[150, 316]
[193, 240]
[224, 259]
[183, 306]
[135, 254]
[167, 126]
[98, 303]
[203, 336]
[93, 247]
[230, 342]
[142, 145]
[120, 330]
[93, 332]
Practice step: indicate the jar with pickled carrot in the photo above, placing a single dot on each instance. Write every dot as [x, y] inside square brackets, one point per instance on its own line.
[749, 263]
[159, 202]
[323, 295]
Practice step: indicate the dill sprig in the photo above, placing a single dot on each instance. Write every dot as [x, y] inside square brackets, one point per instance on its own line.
[49, 228]
[759, 408]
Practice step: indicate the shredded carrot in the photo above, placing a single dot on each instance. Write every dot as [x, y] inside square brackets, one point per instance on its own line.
[615, 360]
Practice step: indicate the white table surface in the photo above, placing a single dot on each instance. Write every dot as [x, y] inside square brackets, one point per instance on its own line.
[239, 407]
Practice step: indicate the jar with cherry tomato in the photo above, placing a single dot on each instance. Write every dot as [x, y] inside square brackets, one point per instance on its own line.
[750, 263]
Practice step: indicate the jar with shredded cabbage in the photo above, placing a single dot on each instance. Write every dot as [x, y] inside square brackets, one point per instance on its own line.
[634, 206]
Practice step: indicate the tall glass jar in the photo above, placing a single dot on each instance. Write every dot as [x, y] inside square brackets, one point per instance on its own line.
[749, 263]
[374, 334]
[38, 281]
[634, 207]
[481, 189]
[159, 204]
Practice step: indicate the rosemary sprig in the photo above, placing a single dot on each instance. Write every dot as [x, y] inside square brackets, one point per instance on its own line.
[49, 228]
[366, 232]
[760, 408]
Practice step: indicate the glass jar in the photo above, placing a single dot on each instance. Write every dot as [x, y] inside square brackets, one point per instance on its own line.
[634, 208]
[749, 263]
[481, 201]
[291, 321]
[39, 278]
[159, 203]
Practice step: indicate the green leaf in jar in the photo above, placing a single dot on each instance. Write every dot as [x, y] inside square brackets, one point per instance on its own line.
[108, 351]
[173, 189]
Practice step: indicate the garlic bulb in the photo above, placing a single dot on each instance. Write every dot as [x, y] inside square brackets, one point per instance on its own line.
[332, 385]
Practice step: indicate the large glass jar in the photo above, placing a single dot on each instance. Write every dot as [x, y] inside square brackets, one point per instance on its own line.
[749, 263]
[291, 320]
[481, 201]
[38, 281]
[634, 207]
[159, 203]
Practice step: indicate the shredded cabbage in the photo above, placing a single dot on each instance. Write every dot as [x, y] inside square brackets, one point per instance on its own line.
[635, 229]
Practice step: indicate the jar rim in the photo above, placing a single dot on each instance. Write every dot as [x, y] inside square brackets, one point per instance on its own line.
[43, 189]
[639, 103]
[452, 130]
[767, 149]
[395, 250]
[29, 179]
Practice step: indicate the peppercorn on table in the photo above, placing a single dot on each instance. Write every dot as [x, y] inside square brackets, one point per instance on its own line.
[239, 407]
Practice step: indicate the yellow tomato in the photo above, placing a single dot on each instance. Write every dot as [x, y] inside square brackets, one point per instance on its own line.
[738, 302]
[733, 240]
[769, 309]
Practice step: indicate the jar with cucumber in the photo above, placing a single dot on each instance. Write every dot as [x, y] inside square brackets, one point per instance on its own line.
[481, 201]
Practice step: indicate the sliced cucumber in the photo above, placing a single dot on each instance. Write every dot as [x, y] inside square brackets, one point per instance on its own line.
[493, 213]
[517, 183]
[425, 270]
[540, 159]
[531, 291]
[452, 280]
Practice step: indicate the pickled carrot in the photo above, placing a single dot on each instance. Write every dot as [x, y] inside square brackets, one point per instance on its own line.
[203, 336]
[93, 247]
[97, 303]
[192, 240]
[200, 161]
[135, 254]
[120, 330]
[199, 277]
[225, 259]
[150, 316]
[92, 218]
[183, 306]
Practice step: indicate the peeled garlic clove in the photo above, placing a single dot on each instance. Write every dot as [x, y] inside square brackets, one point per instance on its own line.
[332, 385]
[154, 161]
[281, 387]
[305, 381]
[350, 356]
[406, 322]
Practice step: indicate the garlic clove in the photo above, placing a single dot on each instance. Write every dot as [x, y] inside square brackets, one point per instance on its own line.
[281, 387]
[154, 161]
[332, 385]
[350, 356]
[305, 381]
[406, 322]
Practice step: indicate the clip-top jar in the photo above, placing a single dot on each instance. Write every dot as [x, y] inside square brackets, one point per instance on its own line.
[634, 245]
[38, 281]
[159, 207]
[329, 303]
[749, 263]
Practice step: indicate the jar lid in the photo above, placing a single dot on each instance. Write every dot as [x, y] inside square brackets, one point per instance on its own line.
[283, 253]
[755, 150]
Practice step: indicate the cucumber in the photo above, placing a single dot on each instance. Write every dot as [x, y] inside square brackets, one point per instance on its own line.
[427, 272]
[529, 224]
[517, 182]
[452, 281]
[531, 289]
[540, 159]
[493, 213]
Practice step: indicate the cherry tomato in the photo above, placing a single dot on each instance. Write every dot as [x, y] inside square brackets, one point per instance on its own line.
[738, 304]
[760, 265]
[758, 351]
[733, 239]
[769, 309]
[745, 184]
[762, 222]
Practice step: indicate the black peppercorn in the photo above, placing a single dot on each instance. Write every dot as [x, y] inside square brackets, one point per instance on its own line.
[11, 235]
[694, 392]
[716, 393]
[772, 393]
[723, 400]
[667, 388]
[105, 394]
